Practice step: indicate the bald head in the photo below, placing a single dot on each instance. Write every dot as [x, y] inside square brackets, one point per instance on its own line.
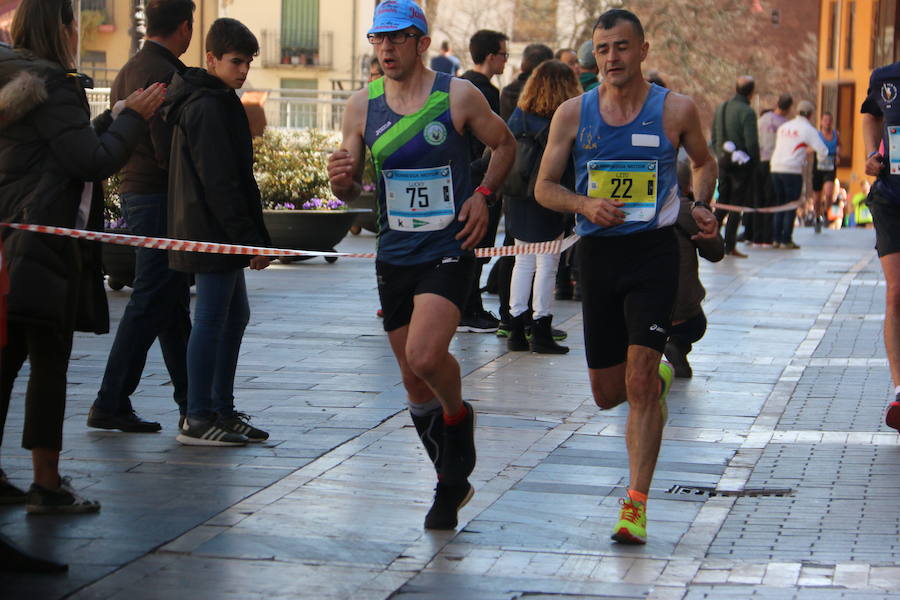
[745, 85]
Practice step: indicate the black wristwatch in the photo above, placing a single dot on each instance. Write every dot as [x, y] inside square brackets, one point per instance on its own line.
[700, 204]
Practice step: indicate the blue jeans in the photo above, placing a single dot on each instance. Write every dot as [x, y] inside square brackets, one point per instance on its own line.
[788, 187]
[159, 308]
[221, 313]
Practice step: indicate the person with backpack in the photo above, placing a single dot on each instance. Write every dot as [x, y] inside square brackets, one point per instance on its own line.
[551, 84]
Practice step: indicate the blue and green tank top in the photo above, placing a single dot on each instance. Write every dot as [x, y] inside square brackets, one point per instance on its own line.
[422, 173]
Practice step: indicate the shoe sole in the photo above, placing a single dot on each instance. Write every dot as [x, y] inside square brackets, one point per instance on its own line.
[124, 429]
[468, 329]
[187, 440]
[892, 417]
[623, 536]
[60, 510]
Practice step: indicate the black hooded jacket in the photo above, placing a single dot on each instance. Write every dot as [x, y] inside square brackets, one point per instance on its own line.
[48, 150]
[213, 196]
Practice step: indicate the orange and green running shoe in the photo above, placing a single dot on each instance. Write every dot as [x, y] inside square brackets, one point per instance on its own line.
[632, 525]
[666, 374]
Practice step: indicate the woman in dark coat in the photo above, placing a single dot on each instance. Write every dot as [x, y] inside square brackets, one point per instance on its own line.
[551, 84]
[52, 160]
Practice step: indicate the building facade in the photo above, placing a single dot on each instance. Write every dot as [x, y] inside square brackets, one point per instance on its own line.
[855, 37]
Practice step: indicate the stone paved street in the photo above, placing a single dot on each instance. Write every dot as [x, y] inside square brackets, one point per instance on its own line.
[789, 388]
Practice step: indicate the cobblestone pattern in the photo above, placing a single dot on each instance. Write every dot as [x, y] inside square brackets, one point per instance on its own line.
[828, 519]
[838, 398]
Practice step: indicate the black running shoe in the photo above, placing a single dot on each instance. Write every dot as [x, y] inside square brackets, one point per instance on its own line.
[459, 449]
[448, 499]
[209, 433]
[479, 322]
[239, 423]
[63, 500]
[128, 422]
[676, 355]
[10, 494]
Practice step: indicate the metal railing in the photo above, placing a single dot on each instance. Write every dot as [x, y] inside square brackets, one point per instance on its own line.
[98, 99]
[274, 53]
[286, 108]
[102, 76]
[305, 109]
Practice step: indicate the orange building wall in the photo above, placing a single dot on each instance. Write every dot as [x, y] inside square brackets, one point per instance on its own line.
[854, 173]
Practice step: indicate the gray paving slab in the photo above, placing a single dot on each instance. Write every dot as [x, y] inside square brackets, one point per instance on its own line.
[790, 382]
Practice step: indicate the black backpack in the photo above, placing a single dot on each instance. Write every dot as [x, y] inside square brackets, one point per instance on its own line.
[523, 176]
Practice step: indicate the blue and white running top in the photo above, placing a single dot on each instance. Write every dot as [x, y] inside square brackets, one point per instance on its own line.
[634, 164]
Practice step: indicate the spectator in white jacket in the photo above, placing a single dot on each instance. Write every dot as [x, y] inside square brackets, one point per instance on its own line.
[794, 141]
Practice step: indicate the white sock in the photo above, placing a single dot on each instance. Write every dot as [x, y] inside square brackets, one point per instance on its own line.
[897, 390]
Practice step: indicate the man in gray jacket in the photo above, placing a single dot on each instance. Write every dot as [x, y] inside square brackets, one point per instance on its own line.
[735, 122]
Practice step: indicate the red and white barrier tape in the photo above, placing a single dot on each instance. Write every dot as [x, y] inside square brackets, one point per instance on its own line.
[140, 241]
[766, 209]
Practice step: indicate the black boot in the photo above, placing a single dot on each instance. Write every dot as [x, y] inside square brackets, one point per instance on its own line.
[430, 428]
[542, 340]
[517, 341]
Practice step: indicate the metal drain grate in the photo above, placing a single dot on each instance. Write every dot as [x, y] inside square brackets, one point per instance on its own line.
[697, 490]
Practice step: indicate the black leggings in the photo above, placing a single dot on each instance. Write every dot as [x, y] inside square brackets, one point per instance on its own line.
[47, 350]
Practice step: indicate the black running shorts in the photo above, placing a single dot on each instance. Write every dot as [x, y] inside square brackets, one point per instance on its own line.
[449, 277]
[628, 289]
[886, 216]
[819, 179]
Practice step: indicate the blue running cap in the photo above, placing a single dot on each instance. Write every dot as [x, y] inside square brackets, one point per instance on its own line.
[394, 15]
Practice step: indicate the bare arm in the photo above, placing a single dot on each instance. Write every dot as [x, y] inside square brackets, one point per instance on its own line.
[345, 167]
[871, 126]
[548, 190]
[490, 129]
[703, 166]
[471, 110]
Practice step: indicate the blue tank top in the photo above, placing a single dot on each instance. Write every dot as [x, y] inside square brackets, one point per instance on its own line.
[832, 145]
[422, 173]
[634, 163]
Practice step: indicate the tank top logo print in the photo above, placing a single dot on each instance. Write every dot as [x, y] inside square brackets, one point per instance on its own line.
[435, 133]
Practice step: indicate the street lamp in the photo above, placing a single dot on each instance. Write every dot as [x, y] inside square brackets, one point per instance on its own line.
[138, 27]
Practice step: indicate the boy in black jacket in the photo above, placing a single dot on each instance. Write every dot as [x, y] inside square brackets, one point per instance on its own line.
[213, 197]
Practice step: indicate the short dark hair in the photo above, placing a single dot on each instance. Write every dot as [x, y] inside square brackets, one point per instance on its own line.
[828, 114]
[230, 35]
[534, 55]
[611, 18]
[445, 46]
[484, 42]
[746, 89]
[785, 102]
[559, 53]
[164, 17]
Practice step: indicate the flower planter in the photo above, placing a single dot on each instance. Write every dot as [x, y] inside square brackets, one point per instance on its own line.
[317, 230]
[118, 263]
[367, 220]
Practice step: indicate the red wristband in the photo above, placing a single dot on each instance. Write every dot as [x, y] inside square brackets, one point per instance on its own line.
[484, 191]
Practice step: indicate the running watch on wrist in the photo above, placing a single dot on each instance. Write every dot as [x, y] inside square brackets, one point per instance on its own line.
[700, 204]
